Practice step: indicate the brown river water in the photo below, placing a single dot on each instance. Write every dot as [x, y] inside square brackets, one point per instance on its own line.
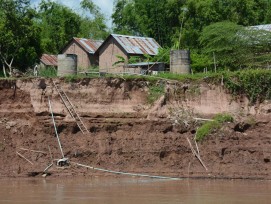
[133, 191]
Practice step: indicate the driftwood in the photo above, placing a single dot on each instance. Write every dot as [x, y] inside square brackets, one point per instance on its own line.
[197, 155]
[22, 156]
[33, 150]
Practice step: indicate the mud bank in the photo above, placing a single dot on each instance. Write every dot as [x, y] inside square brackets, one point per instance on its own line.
[128, 134]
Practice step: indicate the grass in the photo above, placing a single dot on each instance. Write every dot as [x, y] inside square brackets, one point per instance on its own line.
[184, 77]
[155, 92]
[49, 72]
[210, 126]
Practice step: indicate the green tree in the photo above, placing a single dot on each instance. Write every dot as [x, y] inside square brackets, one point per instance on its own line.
[153, 18]
[19, 37]
[202, 13]
[58, 25]
[236, 46]
[93, 24]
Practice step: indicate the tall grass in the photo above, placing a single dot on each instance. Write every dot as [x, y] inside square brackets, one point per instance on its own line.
[48, 72]
[155, 91]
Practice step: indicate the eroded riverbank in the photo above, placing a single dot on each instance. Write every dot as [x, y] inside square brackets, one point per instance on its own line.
[126, 133]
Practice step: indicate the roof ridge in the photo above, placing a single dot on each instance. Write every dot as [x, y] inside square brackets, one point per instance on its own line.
[131, 36]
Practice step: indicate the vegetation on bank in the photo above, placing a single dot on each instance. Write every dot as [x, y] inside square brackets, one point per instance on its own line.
[254, 84]
[211, 126]
[155, 92]
[49, 72]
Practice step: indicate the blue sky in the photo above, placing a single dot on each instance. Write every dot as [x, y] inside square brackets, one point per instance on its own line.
[105, 5]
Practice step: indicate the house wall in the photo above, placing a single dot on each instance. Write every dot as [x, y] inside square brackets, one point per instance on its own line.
[84, 59]
[107, 57]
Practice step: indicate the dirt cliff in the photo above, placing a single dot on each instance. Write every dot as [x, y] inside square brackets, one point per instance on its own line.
[126, 133]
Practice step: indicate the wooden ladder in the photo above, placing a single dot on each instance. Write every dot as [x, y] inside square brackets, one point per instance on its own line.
[71, 108]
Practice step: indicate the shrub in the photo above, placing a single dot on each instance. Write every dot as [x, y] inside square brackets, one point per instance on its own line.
[210, 126]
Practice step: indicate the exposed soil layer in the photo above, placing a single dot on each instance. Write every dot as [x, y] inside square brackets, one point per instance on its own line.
[125, 133]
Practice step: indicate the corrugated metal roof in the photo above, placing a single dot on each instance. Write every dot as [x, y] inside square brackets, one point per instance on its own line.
[266, 27]
[49, 60]
[137, 45]
[89, 45]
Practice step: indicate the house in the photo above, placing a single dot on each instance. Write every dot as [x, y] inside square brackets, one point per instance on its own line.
[48, 61]
[85, 50]
[123, 46]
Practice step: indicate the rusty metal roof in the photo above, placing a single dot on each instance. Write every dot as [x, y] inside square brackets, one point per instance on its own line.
[89, 45]
[49, 60]
[137, 45]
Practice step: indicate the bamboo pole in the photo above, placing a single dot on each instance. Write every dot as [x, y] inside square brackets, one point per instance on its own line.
[22, 156]
[124, 173]
[33, 150]
[60, 147]
[195, 153]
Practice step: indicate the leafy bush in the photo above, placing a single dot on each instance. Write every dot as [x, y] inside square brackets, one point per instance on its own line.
[255, 84]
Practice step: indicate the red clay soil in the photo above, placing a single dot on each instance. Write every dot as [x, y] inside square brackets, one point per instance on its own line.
[124, 142]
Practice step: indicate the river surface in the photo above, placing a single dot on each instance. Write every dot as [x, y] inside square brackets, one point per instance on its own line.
[133, 191]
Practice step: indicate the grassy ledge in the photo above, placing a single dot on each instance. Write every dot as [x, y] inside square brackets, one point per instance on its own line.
[211, 126]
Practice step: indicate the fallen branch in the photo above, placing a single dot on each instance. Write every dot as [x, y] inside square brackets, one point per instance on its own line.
[22, 156]
[195, 153]
[33, 151]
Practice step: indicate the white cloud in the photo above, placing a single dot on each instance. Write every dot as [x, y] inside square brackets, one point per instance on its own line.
[106, 6]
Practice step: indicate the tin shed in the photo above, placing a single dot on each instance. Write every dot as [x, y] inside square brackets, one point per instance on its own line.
[124, 46]
[85, 50]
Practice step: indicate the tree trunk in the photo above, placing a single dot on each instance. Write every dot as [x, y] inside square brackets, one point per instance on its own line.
[9, 65]
[10, 70]
[4, 71]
